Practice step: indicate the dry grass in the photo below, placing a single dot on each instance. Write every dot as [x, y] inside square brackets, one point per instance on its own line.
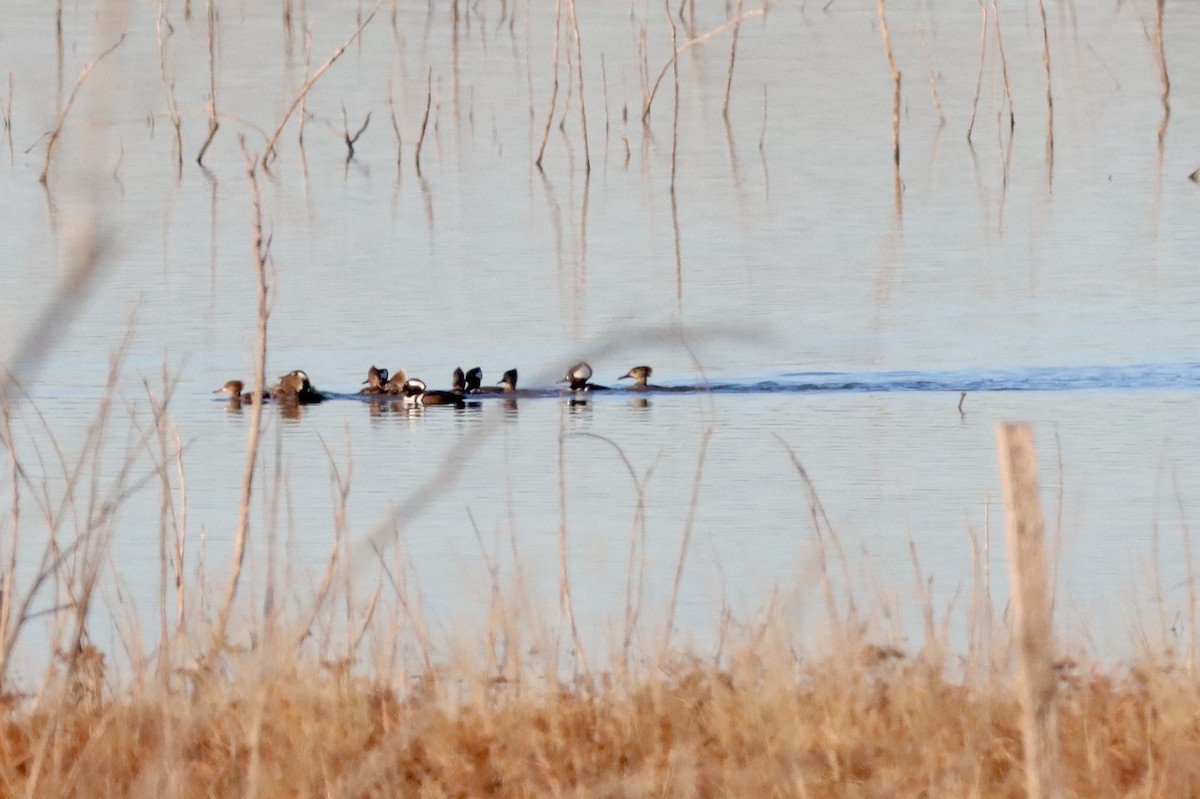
[883, 726]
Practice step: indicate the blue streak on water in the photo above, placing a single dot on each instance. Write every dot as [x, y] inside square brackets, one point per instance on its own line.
[1067, 378]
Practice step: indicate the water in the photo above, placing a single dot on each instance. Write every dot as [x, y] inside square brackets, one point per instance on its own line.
[827, 315]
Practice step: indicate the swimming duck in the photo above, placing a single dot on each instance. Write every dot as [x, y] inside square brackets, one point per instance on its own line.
[640, 375]
[234, 389]
[578, 376]
[475, 380]
[395, 384]
[296, 387]
[417, 393]
[376, 380]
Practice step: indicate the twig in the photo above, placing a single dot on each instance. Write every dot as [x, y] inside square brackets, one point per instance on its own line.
[983, 13]
[1012, 120]
[675, 105]
[587, 156]
[261, 251]
[395, 123]
[688, 45]
[554, 92]
[213, 124]
[168, 86]
[308, 84]
[1049, 87]
[424, 119]
[350, 140]
[891, 61]
[732, 57]
[688, 526]
[937, 101]
[62, 115]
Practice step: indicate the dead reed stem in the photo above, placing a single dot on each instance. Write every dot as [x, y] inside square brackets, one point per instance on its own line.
[66, 109]
[554, 91]
[933, 77]
[688, 45]
[261, 253]
[737, 13]
[424, 119]
[675, 104]
[168, 85]
[395, 123]
[1031, 610]
[983, 23]
[1163, 76]
[587, 154]
[566, 605]
[307, 68]
[269, 153]
[1049, 88]
[1012, 120]
[6, 110]
[210, 12]
[895, 73]
[685, 543]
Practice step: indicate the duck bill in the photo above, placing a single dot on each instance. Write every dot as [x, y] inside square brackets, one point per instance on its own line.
[625, 376]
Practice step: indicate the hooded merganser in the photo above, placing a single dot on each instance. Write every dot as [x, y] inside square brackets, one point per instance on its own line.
[578, 376]
[640, 375]
[508, 383]
[416, 393]
[234, 389]
[296, 387]
[395, 385]
[376, 380]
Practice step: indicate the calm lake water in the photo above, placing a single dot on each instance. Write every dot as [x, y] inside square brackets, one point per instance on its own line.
[837, 318]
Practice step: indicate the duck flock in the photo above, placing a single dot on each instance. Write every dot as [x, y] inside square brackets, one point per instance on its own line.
[295, 388]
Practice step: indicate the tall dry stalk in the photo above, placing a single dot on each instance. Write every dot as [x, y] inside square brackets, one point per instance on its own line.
[566, 605]
[650, 92]
[675, 104]
[1049, 88]
[685, 542]
[262, 253]
[424, 119]
[587, 155]
[1163, 77]
[983, 25]
[66, 109]
[895, 73]
[168, 86]
[269, 153]
[554, 91]
[937, 100]
[1012, 119]
[1031, 610]
[6, 111]
[211, 105]
[737, 13]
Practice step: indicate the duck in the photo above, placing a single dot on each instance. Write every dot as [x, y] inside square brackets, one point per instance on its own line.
[578, 376]
[508, 383]
[417, 393]
[395, 384]
[234, 389]
[296, 387]
[376, 380]
[640, 374]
